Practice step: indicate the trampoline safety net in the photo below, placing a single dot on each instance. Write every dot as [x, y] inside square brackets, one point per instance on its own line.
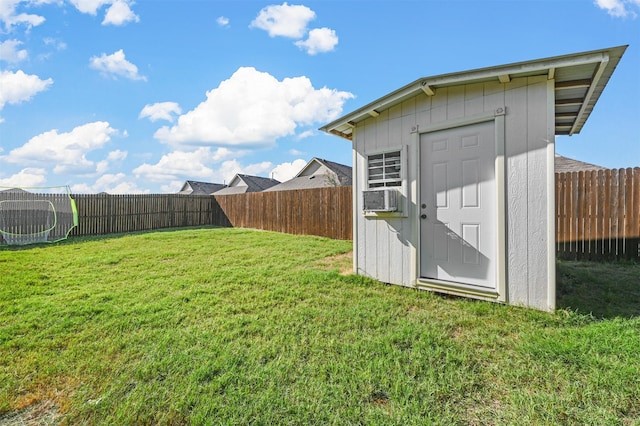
[36, 215]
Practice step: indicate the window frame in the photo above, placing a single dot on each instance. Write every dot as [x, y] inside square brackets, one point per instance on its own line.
[391, 169]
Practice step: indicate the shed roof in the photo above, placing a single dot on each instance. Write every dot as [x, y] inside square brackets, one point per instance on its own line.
[579, 80]
[241, 184]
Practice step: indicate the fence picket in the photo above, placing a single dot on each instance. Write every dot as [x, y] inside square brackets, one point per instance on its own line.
[305, 211]
[598, 214]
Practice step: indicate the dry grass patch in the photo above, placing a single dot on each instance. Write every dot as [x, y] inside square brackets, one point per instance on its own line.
[40, 414]
[342, 263]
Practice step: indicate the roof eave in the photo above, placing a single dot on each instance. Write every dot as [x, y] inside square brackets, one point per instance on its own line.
[344, 126]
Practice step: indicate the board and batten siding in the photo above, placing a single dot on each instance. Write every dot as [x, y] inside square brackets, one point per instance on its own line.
[386, 245]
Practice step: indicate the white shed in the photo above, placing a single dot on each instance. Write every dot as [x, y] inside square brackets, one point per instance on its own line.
[453, 176]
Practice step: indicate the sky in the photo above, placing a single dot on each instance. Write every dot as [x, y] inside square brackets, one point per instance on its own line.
[120, 96]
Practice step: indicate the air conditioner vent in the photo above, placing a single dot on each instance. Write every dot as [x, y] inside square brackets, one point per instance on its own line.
[380, 200]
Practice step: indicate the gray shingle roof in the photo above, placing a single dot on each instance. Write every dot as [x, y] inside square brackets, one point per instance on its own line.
[193, 187]
[565, 164]
[250, 184]
[344, 172]
[339, 175]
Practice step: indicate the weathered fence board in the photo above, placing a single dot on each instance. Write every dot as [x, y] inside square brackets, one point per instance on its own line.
[101, 214]
[598, 214]
[324, 212]
[27, 218]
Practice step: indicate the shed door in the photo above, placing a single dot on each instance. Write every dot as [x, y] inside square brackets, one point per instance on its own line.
[458, 206]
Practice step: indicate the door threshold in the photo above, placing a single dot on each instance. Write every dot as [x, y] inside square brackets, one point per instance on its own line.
[458, 289]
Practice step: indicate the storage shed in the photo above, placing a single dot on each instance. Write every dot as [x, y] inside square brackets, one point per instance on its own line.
[453, 176]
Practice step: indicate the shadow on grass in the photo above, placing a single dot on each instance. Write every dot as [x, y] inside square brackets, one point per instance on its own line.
[603, 289]
[80, 239]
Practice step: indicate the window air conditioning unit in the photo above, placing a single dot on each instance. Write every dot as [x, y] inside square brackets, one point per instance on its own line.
[380, 200]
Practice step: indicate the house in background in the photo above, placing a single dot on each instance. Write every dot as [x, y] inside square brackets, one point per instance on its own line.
[192, 187]
[241, 184]
[454, 183]
[317, 173]
[566, 164]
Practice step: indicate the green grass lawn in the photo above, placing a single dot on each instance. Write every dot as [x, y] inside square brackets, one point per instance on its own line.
[232, 326]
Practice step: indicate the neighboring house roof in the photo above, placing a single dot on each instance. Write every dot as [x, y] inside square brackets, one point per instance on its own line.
[241, 184]
[579, 80]
[565, 164]
[317, 173]
[192, 187]
[14, 191]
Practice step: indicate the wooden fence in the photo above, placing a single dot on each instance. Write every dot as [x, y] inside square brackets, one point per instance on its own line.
[598, 214]
[326, 212]
[27, 218]
[101, 214]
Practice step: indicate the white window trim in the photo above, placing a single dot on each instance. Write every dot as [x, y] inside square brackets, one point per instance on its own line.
[402, 189]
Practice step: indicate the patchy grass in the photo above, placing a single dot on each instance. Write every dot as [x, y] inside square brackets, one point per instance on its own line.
[231, 326]
[603, 289]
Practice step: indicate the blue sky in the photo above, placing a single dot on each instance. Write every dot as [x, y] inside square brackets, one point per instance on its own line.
[122, 96]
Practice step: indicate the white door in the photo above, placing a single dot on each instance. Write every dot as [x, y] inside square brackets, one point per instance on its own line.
[458, 221]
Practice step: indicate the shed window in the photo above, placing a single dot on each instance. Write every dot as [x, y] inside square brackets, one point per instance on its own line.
[384, 170]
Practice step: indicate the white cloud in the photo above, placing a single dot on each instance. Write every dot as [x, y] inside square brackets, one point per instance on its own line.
[223, 21]
[57, 44]
[18, 87]
[319, 40]
[201, 164]
[254, 108]
[189, 165]
[115, 65]
[118, 13]
[305, 134]
[10, 18]
[66, 151]
[117, 155]
[111, 183]
[171, 187]
[101, 167]
[286, 171]
[223, 153]
[89, 6]
[113, 157]
[9, 51]
[257, 168]
[228, 169]
[25, 178]
[160, 111]
[619, 8]
[284, 20]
